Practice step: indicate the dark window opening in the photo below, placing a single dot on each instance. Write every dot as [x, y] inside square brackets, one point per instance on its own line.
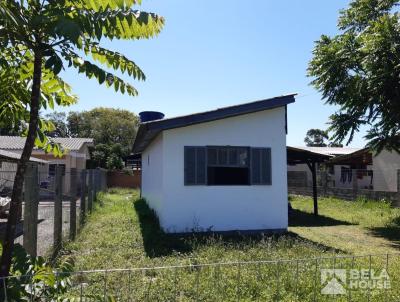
[228, 176]
[226, 165]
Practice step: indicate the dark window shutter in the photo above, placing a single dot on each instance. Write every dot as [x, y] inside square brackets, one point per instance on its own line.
[266, 166]
[255, 166]
[195, 166]
[200, 165]
[261, 166]
[190, 166]
[212, 156]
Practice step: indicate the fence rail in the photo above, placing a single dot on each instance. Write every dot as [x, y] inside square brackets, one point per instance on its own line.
[270, 280]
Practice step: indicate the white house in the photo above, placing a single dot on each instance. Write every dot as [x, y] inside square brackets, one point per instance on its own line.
[219, 170]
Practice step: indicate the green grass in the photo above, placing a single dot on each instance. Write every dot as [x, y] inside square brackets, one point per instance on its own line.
[359, 227]
[123, 232]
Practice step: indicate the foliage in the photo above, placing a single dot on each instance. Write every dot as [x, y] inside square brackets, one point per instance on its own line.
[33, 279]
[38, 39]
[316, 138]
[358, 70]
[58, 119]
[319, 138]
[113, 131]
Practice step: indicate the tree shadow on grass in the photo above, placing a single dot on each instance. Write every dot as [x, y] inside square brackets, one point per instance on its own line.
[391, 232]
[299, 218]
[157, 243]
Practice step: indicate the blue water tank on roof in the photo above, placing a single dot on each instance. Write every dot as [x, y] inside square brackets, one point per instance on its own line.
[147, 116]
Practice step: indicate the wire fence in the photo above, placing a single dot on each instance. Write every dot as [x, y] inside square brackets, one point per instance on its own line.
[55, 203]
[340, 278]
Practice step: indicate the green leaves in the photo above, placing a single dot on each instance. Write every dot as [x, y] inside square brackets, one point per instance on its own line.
[97, 5]
[103, 77]
[358, 71]
[114, 60]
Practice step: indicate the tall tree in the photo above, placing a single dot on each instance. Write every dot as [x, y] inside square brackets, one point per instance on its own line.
[316, 138]
[112, 130]
[39, 38]
[358, 70]
[59, 120]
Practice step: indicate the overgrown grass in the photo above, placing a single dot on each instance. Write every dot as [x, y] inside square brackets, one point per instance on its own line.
[123, 232]
[357, 227]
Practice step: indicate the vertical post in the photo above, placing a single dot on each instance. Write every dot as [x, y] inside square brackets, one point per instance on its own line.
[315, 192]
[58, 210]
[354, 183]
[31, 199]
[72, 203]
[324, 180]
[83, 197]
[398, 188]
[90, 191]
[95, 184]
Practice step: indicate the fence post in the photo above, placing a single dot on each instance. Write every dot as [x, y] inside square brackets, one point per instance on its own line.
[31, 199]
[354, 183]
[58, 210]
[90, 191]
[72, 204]
[95, 184]
[398, 188]
[83, 197]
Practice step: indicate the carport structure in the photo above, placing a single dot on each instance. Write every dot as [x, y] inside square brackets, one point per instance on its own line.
[301, 156]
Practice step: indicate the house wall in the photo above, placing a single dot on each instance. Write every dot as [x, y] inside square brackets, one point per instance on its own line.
[153, 163]
[224, 208]
[385, 166]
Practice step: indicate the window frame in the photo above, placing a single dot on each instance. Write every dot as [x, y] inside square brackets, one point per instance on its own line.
[249, 165]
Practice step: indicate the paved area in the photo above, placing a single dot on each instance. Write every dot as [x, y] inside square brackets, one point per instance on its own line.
[46, 225]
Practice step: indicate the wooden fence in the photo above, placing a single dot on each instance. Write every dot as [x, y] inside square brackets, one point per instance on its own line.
[84, 188]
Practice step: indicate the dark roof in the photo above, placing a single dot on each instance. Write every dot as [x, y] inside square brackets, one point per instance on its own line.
[360, 157]
[149, 130]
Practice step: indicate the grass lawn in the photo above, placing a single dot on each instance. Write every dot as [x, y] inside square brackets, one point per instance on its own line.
[123, 233]
[361, 227]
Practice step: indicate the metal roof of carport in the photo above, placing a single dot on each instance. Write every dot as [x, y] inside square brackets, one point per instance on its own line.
[149, 130]
[14, 157]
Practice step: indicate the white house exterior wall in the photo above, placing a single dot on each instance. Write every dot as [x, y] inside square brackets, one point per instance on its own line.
[385, 166]
[152, 176]
[222, 208]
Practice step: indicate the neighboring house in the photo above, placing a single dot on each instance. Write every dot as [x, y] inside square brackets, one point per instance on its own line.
[300, 174]
[8, 167]
[219, 170]
[76, 154]
[381, 170]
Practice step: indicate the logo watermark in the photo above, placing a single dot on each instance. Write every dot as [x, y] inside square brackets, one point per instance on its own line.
[339, 281]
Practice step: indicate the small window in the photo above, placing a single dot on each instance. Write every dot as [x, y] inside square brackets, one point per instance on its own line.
[220, 165]
[52, 169]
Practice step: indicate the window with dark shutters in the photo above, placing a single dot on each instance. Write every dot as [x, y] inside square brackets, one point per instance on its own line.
[195, 166]
[261, 166]
[226, 165]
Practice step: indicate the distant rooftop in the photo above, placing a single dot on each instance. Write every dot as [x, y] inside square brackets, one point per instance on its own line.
[332, 151]
[17, 142]
[13, 157]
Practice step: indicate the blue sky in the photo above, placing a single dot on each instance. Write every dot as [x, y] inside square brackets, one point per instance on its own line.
[218, 53]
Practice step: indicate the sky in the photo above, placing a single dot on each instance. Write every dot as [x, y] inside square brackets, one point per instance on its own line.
[212, 54]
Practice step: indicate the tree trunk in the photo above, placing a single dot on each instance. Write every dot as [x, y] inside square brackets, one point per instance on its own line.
[16, 197]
